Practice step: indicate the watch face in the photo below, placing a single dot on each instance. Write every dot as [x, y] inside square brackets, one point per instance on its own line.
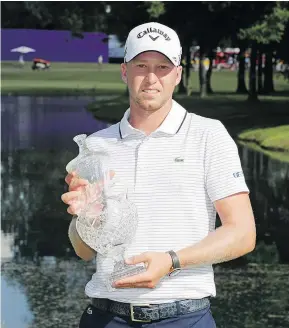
[174, 272]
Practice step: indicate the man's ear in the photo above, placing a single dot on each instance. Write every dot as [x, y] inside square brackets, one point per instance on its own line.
[179, 74]
[124, 72]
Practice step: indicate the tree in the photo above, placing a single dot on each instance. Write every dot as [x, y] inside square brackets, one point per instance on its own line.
[75, 16]
[282, 47]
[16, 15]
[121, 19]
[169, 13]
[201, 22]
[241, 85]
[205, 23]
[217, 31]
[267, 32]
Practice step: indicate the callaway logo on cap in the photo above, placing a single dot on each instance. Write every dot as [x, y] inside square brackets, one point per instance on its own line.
[153, 37]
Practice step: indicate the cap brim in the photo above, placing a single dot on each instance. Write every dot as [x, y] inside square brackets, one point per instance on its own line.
[128, 59]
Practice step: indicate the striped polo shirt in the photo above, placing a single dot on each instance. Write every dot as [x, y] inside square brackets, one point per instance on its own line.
[173, 176]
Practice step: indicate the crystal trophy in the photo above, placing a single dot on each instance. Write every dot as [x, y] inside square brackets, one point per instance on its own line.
[107, 220]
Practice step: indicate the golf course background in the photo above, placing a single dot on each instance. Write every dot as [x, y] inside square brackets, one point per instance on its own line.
[263, 124]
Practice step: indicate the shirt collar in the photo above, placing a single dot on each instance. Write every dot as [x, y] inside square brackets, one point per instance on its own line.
[170, 126]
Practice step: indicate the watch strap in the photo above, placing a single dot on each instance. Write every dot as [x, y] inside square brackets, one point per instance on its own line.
[175, 260]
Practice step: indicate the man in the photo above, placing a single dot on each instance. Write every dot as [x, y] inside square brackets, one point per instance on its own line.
[100, 60]
[179, 168]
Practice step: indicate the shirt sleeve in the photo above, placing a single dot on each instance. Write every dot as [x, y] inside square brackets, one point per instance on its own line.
[224, 174]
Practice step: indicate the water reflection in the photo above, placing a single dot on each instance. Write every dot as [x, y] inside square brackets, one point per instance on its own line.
[268, 181]
[254, 296]
[22, 316]
[53, 288]
[32, 182]
[36, 145]
[44, 123]
[37, 256]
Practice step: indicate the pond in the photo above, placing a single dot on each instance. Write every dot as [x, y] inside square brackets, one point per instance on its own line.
[42, 279]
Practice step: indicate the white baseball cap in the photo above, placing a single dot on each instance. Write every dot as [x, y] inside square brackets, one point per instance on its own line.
[153, 37]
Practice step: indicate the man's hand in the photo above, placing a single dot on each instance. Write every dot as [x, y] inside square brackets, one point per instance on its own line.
[75, 182]
[81, 193]
[158, 265]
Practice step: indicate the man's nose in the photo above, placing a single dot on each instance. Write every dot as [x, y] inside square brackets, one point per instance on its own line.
[151, 77]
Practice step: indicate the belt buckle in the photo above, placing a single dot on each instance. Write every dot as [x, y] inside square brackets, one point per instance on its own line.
[132, 312]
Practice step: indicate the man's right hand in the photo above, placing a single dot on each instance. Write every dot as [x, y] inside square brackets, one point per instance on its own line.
[75, 182]
[76, 187]
[81, 193]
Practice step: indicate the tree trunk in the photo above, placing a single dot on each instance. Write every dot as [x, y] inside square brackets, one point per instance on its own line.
[209, 73]
[268, 78]
[202, 73]
[260, 71]
[241, 88]
[252, 76]
[188, 67]
[182, 89]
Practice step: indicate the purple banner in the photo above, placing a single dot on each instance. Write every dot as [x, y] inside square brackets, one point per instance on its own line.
[57, 46]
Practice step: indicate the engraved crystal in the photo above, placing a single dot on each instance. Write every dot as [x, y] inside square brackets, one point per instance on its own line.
[107, 219]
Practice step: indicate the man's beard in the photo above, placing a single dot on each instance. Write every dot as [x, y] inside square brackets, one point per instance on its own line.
[150, 106]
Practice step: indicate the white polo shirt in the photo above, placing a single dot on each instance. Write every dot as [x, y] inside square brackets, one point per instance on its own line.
[173, 176]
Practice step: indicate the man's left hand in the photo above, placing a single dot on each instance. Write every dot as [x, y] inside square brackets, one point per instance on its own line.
[158, 265]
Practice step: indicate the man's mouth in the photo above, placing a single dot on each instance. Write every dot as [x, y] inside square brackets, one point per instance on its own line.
[151, 91]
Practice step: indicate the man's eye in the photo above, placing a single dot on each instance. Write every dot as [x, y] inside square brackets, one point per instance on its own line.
[163, 67]
[141, 65]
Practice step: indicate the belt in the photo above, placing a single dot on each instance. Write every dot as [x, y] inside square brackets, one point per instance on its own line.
[150, 312]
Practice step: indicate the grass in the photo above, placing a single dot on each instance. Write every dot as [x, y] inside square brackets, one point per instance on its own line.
[86, 78]
[62, 78]
[276, 138]
[233, 110]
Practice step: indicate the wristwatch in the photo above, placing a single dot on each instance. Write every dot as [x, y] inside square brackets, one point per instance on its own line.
[176, 265]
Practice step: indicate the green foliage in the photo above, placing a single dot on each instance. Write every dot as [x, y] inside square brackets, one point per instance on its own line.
[156, 9]
[75, 16]
[269, 29]
[122, 18]
[203, 21]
